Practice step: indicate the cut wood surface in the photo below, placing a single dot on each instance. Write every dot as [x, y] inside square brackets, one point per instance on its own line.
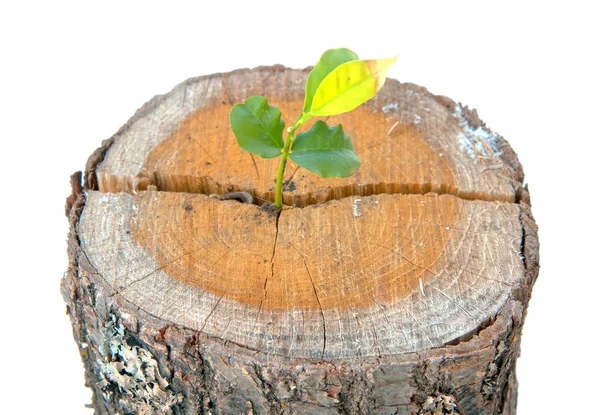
[409, 140]
[400, 289]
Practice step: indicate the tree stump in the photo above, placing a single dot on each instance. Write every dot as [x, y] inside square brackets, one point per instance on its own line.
[399, 290]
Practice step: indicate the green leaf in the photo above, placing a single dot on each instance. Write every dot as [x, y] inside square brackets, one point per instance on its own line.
[330, 60]
[325, 150]
[258, 127]
[349, 85]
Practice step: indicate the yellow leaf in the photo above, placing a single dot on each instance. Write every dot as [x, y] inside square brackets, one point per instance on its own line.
[349, 85]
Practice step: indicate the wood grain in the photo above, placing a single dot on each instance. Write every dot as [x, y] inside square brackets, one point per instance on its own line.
[399, 290]
[213, 265]
[410, 141]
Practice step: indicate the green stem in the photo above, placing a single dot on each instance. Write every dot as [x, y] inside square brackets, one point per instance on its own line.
[284, 156]
[282, 163]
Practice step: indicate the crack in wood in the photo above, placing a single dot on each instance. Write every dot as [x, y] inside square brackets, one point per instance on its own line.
[211, 313]
[260, 307]
[363, 191]
[318, 301]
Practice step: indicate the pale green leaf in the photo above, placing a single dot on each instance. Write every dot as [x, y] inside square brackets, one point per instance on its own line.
[258, 127]
[330, 60]
[349, 85]
[325, 150]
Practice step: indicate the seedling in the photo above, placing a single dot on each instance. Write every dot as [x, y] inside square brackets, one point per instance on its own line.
[338, 83]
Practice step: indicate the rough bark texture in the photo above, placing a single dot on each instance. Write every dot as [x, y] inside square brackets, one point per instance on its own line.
[143, 362]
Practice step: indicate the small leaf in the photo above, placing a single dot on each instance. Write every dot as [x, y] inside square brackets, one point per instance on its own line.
[325, 150]
[330, 60]
[258, 127]
[349, 85]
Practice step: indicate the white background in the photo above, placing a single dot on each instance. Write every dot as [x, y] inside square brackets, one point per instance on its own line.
[72, 73]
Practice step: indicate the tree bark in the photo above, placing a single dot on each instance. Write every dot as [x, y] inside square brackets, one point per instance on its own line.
[399, 290]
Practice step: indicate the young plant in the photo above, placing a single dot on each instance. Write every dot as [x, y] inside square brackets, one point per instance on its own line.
[338, 83]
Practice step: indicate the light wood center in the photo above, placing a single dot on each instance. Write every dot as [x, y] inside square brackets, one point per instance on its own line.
[344, 253]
